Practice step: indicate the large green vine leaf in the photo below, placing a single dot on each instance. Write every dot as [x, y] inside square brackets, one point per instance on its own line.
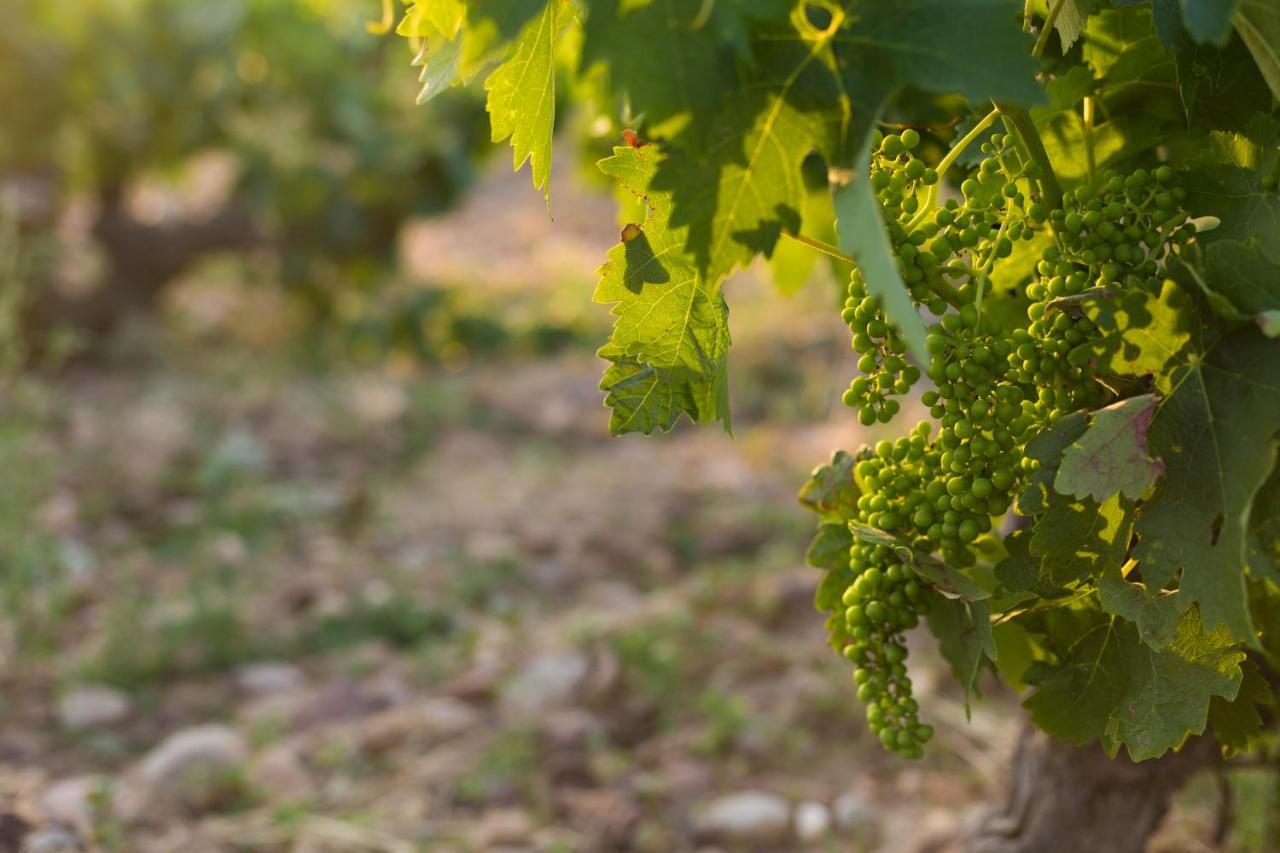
[1216, 422]
[1107, 683]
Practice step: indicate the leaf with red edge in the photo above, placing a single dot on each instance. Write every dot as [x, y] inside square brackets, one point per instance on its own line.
[1112, 456]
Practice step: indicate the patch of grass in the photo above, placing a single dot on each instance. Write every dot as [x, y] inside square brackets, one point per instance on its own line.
[399, 621]
[509, 764]
[724, 717]
[479, 585]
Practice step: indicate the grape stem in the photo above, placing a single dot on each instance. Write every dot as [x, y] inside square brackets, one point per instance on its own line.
[1042, 40]
[1021, 121]
[824, 248]
[931, 195]
[1087, 119]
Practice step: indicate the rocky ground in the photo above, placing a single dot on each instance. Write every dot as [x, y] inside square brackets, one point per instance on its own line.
[252, 607]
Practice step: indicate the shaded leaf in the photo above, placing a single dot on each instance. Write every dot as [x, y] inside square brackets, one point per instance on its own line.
[963, 630]
[1108, 684]
[1258, 23]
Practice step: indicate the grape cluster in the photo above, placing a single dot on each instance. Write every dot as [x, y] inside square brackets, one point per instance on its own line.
[994, 387]
[1118, 235]
[884, 600]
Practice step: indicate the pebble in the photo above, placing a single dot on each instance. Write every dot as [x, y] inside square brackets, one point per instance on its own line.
[71, 801]
[547, 682]
[813, 821]
[501, 827]
[91, 706]
[51, 840]
[194, 769]
[281, 776]
[269, 678]
[746, 816]
[852, 813]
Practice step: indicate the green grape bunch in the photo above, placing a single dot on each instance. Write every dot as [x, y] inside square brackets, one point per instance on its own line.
[993, 390]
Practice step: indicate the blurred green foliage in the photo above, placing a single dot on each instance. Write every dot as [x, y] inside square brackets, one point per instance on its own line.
[330, 155]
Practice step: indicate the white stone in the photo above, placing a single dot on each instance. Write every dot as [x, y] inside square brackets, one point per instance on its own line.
[193, 769]
[71, 801]
[746, 816]
[852, 813]
[547, 682]
[91, 706]
[267, 678]
[813, 821]
[281, 776]
[51, 840]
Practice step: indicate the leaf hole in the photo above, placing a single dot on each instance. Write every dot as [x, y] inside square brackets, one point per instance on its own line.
[1216, 529]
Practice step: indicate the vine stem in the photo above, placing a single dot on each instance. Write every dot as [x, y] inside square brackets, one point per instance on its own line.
[1021, 121]
[931, 195]
[824, 248]
[1042, 40]
[940, 288]
[1087, 118]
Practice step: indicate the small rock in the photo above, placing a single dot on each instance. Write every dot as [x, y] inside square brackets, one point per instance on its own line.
[813, 821]
[52, 839]
[606, 817]
[852, 813]
[72, 801]
[502, 826]
[428, 720]
[194, 769]
[281, 775]
[547, 682]
[748, 816]
[91, 706]
[269, 678]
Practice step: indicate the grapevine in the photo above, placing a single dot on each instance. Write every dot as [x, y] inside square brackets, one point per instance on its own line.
[1055, 226]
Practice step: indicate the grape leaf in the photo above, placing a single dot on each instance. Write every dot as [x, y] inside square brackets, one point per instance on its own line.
[973, 47]
[830, 546]
[1077, 539]
[1237, 723]
[1264, 528]
[1226, 182]
[946, 580]
[522, 92]
[1108, 684]
[831, 490]
[737, 192]
[1211, 429]
[671, 336]
[1155, 612]
[1246, 277]
[1147, 334]
[665, 59]
[1019, 571]
[1071, 20]
[963, 631]
[1112, 456]
[1258, 23]
[1208, 20]
[433, 19]
[438, 59]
